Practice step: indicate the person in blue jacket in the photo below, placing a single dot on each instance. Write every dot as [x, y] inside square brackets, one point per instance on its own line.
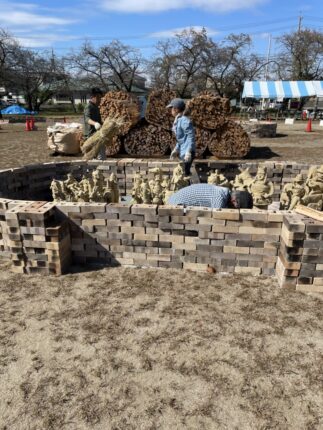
[185, 135]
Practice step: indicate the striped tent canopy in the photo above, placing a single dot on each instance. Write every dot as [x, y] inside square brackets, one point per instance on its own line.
[282, 89]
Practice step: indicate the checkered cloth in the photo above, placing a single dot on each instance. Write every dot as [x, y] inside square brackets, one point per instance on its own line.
[205, 195]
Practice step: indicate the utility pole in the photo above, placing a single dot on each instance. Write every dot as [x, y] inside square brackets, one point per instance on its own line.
[300, 19]
[268, 56]
[266, 68]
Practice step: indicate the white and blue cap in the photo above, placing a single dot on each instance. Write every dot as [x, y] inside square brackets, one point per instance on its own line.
[177, 104]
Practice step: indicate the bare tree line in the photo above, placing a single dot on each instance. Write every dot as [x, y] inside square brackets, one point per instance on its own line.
[189, 63]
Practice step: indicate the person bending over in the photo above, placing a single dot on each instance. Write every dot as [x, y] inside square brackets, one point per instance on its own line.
[211, 196]
[184, 133]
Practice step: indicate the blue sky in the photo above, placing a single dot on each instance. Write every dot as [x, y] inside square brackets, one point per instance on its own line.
[64, 24]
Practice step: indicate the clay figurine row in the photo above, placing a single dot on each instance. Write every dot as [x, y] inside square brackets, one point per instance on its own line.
[259, 187]
[307, 192]
[160, 188]
[90, 189]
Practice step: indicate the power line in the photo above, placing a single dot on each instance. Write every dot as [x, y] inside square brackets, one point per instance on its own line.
[141, 36]
[151, 45]
[149, 35]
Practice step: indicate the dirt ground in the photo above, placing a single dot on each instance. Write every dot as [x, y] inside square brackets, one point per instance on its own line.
[146, 349]
[18, 147]
[119, 349]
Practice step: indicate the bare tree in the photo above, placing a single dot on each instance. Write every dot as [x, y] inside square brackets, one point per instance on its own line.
[301, 55]
[193, 62]
[162, 68]
[190, 60]
[36, 76]
[231, 62]
[7, 48]
[111, 66]
[244, 68]
[178, 62]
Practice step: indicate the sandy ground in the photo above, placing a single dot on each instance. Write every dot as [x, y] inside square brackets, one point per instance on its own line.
[18, 147]
[119, 349]
[147, 349]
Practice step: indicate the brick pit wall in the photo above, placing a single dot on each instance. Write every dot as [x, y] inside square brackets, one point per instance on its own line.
[43, 237]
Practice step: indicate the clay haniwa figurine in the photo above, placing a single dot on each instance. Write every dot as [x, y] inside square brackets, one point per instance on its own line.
[97, 192]
[217, 178]
[113, 188]
[166, 189]
[157, 192]
[136, 191]
[242, 181]
[157, 171]
[70, 187]
[293, 193]
[57, 191]
[314, 189]
[145, 192]
[84, 190]
[261, 189]
[178, 180]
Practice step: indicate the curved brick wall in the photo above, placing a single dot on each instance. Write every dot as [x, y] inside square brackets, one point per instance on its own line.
[43, 237]
[32, 182]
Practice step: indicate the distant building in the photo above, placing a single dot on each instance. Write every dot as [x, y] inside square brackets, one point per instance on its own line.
[82, 95]
[78, 93]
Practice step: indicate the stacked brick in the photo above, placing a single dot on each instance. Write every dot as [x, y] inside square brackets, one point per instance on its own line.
[300, 259]
[32, 239]
[4, 249]
[291, 250]
[40, 237]
[311, 272]
[88, 231]
[167, 236]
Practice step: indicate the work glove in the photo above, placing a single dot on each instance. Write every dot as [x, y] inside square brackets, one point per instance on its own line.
[97, 126]
[188, 157]
[174, 154]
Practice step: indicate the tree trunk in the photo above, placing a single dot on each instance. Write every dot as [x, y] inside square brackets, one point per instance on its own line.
[29, 101]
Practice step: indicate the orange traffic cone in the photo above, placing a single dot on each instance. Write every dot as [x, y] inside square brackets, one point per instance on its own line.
[27, 128]
[309, 126]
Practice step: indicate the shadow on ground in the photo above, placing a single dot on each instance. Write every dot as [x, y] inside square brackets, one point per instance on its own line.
[261, 152]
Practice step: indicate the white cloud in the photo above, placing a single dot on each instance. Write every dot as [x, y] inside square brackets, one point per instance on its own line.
[46, 40]
[19, 14]
[24, 18]
[172, 32]
[141, 6]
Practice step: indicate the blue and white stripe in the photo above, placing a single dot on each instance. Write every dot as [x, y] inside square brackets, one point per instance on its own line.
[282, 89]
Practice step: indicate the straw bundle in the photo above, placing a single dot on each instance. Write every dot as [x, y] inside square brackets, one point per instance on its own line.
[103, 137]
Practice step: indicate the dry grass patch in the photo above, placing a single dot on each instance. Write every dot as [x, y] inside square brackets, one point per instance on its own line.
[158, 349]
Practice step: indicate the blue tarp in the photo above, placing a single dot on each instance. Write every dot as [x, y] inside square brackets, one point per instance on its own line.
[282, 89]
[16, 110]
